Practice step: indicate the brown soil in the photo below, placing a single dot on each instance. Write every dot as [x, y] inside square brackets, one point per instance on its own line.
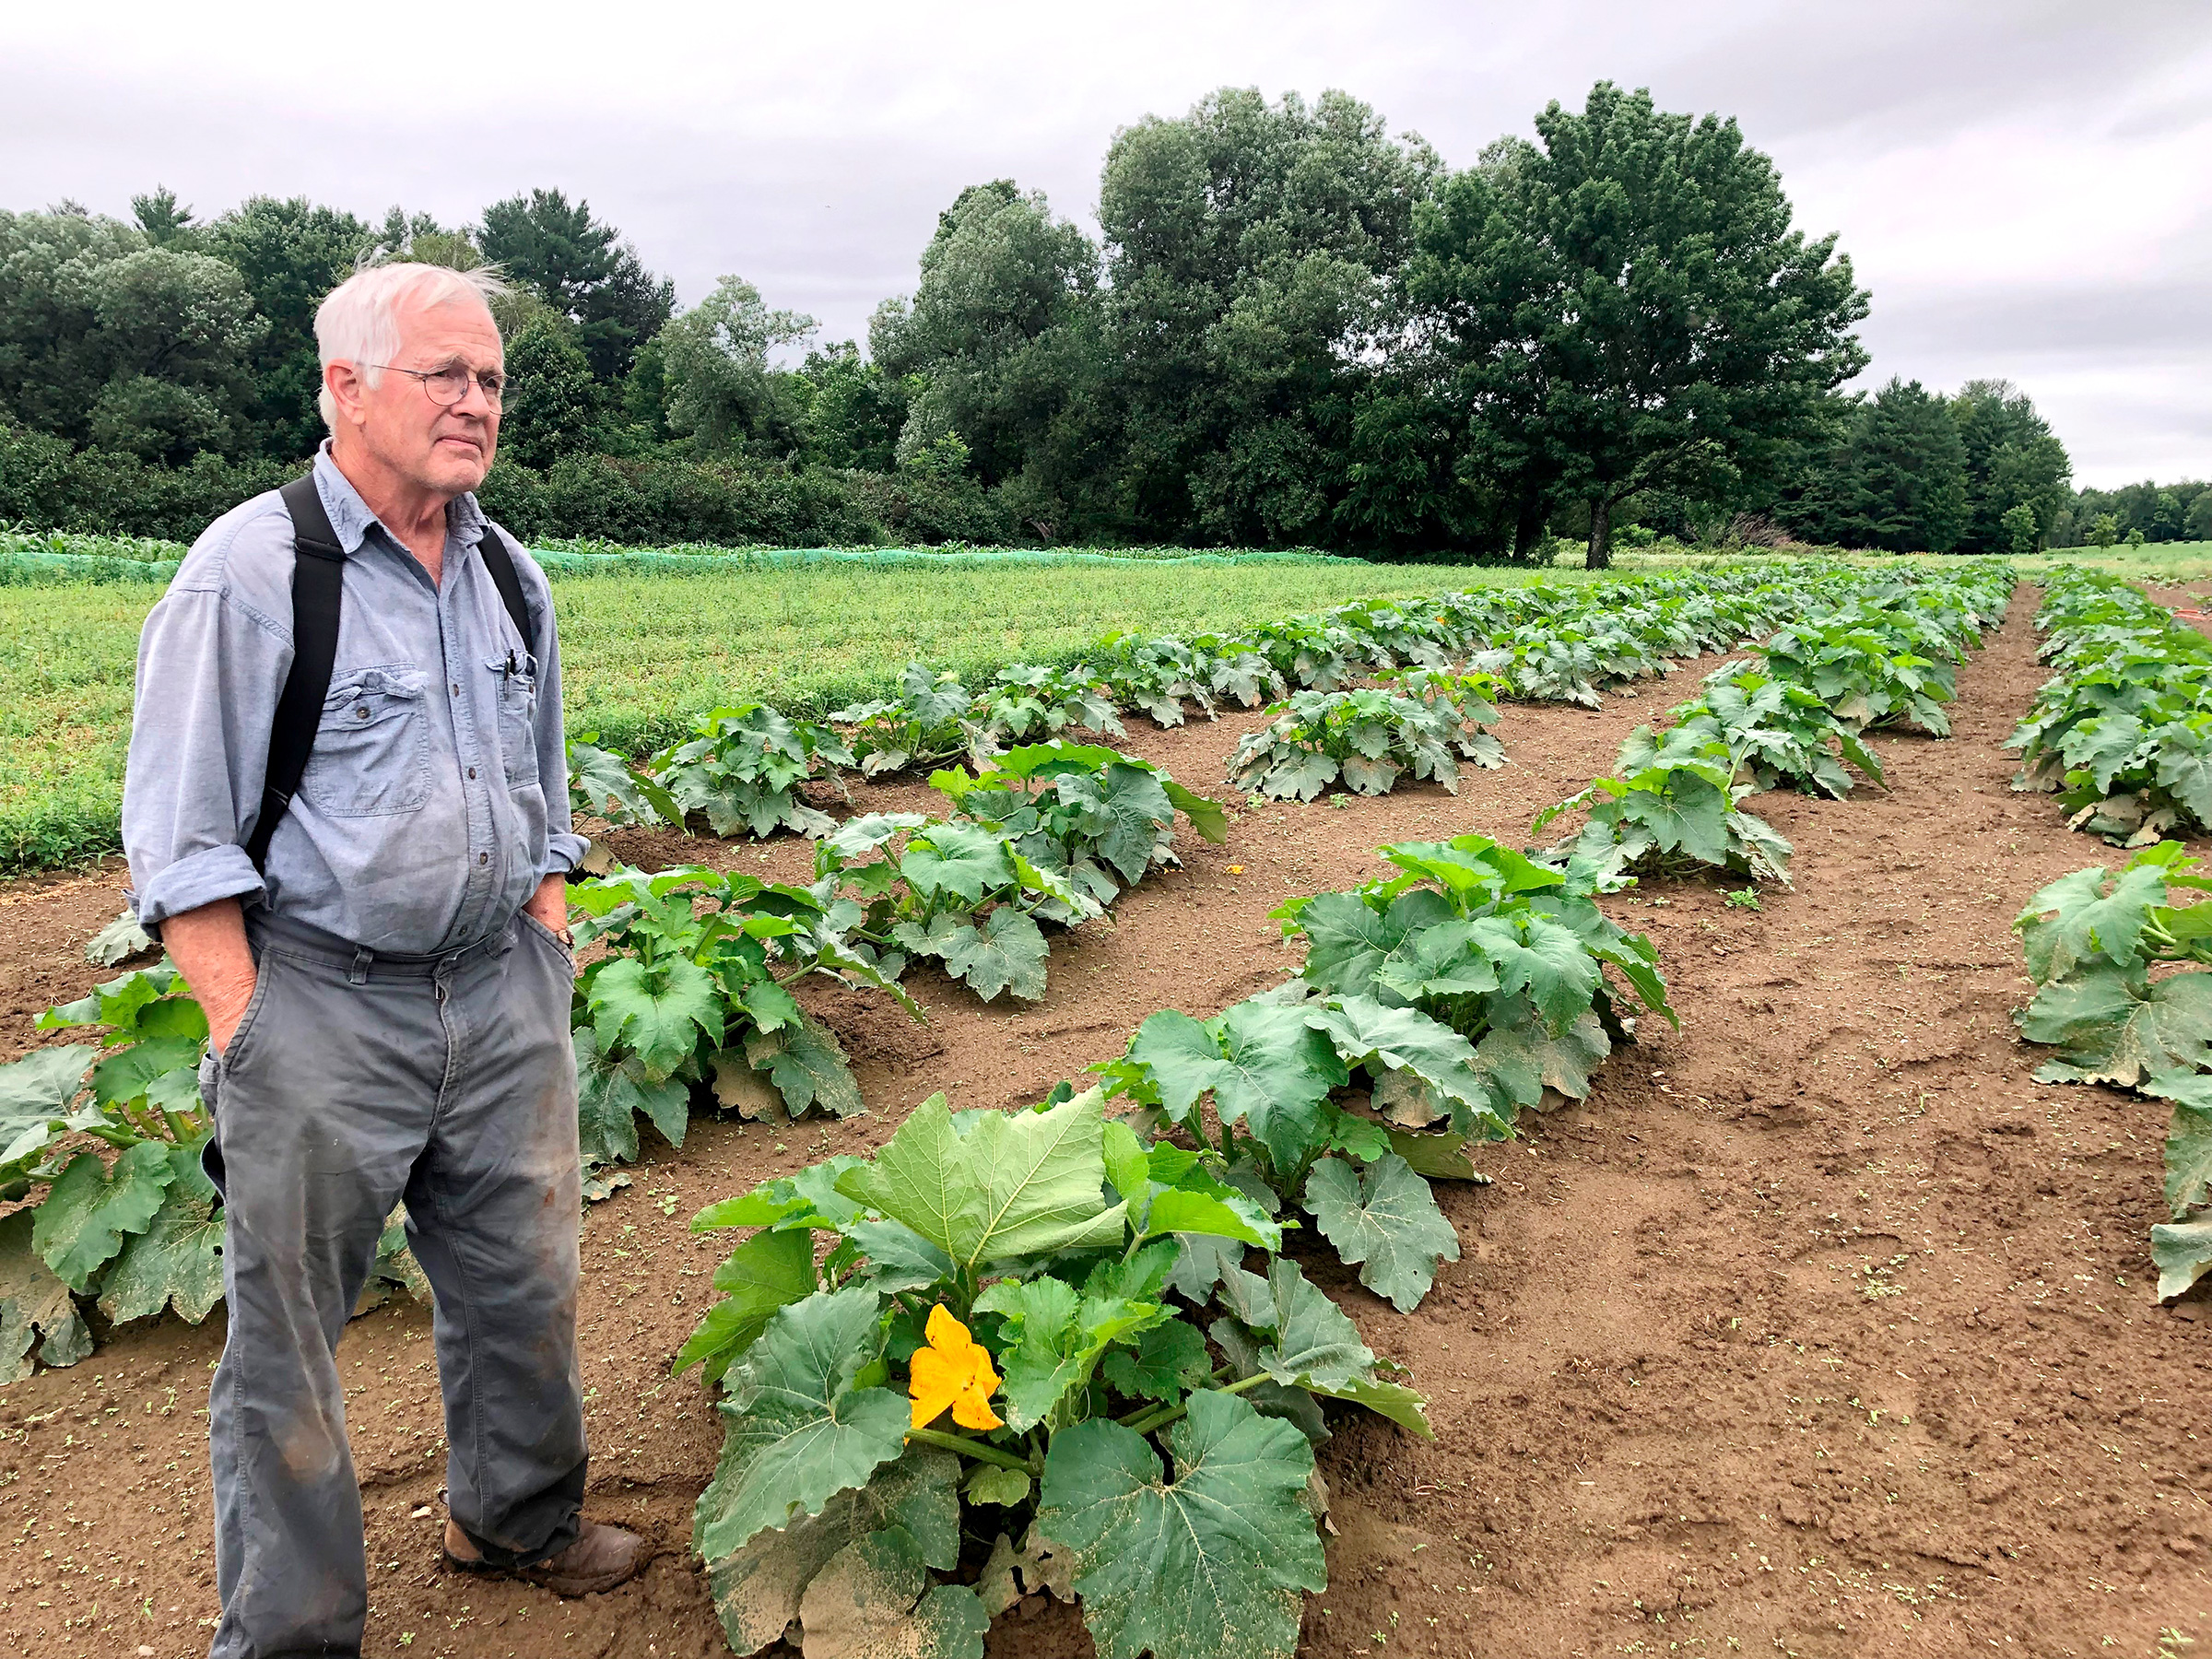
[1819, 1329]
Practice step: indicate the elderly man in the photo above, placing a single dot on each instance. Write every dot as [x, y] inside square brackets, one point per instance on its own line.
[347, 817]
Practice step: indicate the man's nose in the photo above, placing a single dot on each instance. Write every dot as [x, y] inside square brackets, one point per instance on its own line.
[475, 402]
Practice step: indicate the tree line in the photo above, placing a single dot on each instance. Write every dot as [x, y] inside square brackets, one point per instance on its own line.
[1293, 328]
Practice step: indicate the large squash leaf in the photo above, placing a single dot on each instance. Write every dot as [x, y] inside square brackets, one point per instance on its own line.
[909, 1513]
[90, 1209]
[1208, 1564]
[1016, 1183]
[178, 1260]
[799, 1433]
[2113, 1025]
[1384, 1221]
[34, 1305]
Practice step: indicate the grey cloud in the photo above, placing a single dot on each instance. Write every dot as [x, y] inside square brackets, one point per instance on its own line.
[820, 180]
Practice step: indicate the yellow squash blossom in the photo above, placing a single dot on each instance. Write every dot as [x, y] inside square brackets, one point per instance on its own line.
[955, 1370]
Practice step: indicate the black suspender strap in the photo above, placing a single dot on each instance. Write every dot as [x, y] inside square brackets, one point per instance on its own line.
[318, 581]
[318, 586]
[494, 548]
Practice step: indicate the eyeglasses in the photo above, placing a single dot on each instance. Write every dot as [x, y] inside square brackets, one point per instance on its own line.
[450, 385]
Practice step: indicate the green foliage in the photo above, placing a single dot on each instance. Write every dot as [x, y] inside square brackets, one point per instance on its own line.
[2092, 940]
[2016, 470]
[959, 893]
[1367, 739]
[2123, 730]
[744, 768]
[925, 724]
[1784, 733]
[104, 339]
[1038, 1251]
[1001, 335]
[104, 1145]
[694, 992]
[1507, 953]
[1862, 667]
[1206, 1562]
[715, 358]
[552, 404]
[1674, 804]
[1683, 337]
[602, 785]
[1097, 819]
[1896, 481]
[579, 266]
[289, 253]
[1029, 703]
[1250, 249]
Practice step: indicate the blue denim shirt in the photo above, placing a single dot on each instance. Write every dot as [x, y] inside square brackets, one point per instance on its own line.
[436, 796]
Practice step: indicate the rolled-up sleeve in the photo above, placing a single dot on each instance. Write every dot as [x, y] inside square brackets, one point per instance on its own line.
[564, 847]
[210, 668]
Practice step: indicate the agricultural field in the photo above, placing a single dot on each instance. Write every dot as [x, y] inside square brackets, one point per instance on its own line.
[641, 654]
[1813, 1322]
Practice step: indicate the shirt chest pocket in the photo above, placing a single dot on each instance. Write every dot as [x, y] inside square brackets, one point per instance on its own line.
[518, 722]
[371, 756]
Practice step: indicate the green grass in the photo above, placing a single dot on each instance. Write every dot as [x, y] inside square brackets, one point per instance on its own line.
[644, 655]
[2153, 561]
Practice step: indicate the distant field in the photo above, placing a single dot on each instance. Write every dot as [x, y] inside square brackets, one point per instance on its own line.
[2155, 561]
[644, 654]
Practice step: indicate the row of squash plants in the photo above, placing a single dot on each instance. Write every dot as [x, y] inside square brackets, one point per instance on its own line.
[1120, 1407]
[2122, 960]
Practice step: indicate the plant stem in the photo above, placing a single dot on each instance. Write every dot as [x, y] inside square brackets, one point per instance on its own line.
[967, 1448]
[1165, 1415]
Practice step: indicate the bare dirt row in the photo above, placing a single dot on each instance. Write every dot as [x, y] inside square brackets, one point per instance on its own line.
[1819, 1329]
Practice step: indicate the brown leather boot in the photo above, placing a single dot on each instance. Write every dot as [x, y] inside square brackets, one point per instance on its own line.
[601, 1558]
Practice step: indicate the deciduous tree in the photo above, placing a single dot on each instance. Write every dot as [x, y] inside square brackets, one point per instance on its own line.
[1631, 296]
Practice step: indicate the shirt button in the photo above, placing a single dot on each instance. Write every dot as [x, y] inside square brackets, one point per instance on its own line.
[483, 858]
[472, 772]
[456, 687]
[361, 712]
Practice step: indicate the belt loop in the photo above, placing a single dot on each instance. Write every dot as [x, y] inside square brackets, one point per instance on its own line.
[362, 956]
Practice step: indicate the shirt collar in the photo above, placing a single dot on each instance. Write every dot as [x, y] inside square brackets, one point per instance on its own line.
[350, 517]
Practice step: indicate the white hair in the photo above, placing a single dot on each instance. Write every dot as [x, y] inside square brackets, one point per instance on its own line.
[358, 322]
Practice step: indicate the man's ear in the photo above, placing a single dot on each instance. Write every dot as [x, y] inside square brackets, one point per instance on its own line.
[344, 384]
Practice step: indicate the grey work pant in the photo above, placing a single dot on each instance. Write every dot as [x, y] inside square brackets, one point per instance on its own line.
[353, 1082]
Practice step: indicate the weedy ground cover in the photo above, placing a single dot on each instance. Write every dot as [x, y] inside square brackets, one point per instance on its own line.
[2123, 730]
[2093, 942]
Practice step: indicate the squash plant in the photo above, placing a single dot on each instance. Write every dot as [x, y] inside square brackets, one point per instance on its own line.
[1156, 675]
[602, 785]
[1782, 734]
[1420, 721]
[929, 722]
[694, 992]
[743, 771]
[1027, 704]
[102, 1147]
[2092, 940]
[988, 1385]
[903, 886]
[1100, 819]
[1672, 804]
[1511, 955]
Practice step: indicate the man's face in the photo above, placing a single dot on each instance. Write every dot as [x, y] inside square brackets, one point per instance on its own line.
[443, 449]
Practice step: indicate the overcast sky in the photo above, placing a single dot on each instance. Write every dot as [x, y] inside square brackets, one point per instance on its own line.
[2025, 185]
